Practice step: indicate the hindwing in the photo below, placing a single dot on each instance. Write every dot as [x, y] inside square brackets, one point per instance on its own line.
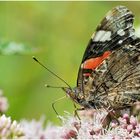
[116, 81]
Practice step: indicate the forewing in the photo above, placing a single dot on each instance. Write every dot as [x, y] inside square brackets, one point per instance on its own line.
[117, 25]
[115, 30]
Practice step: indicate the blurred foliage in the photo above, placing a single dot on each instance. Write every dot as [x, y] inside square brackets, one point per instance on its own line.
[10, 48]
[57, 33]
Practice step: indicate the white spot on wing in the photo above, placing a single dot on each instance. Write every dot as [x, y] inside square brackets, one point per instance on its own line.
[132, 33]
[102, 36]
[120, 42]
[121, 32]
[106, 36]
[108, 16]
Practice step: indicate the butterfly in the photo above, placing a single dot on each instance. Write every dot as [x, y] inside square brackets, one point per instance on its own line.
[109, 74]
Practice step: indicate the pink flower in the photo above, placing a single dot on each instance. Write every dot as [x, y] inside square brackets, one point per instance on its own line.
[9, 129]
[125, 116]
[69, 134]
[133, 121]
[129, 128]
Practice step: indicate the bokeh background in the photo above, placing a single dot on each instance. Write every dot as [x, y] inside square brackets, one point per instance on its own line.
[57, 34]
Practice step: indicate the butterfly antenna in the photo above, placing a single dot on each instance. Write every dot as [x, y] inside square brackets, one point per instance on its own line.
[50, 86]
[51, 72]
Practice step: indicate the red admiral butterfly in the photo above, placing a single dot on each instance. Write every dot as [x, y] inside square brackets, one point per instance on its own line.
[109, 74]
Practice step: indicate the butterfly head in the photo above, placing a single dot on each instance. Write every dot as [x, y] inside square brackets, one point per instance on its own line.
[73, 93]
[77, 96]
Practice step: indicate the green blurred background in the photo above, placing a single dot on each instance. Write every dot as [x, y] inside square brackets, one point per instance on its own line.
[57, 33]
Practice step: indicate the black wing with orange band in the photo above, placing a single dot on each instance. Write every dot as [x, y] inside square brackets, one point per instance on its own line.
[114, 31]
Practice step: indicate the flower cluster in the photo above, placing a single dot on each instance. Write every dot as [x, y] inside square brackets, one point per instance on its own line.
[129, 124]
[91, 125]
[9, 129]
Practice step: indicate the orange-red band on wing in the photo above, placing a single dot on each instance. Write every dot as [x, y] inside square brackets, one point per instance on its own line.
[93, 63]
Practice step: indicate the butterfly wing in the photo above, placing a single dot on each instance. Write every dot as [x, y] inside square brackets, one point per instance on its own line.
[117, 80]
[115, 30]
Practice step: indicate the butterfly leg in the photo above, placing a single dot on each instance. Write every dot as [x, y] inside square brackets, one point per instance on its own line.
[76, 112]
[53, 106]
[109, 118]
[111, 115]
